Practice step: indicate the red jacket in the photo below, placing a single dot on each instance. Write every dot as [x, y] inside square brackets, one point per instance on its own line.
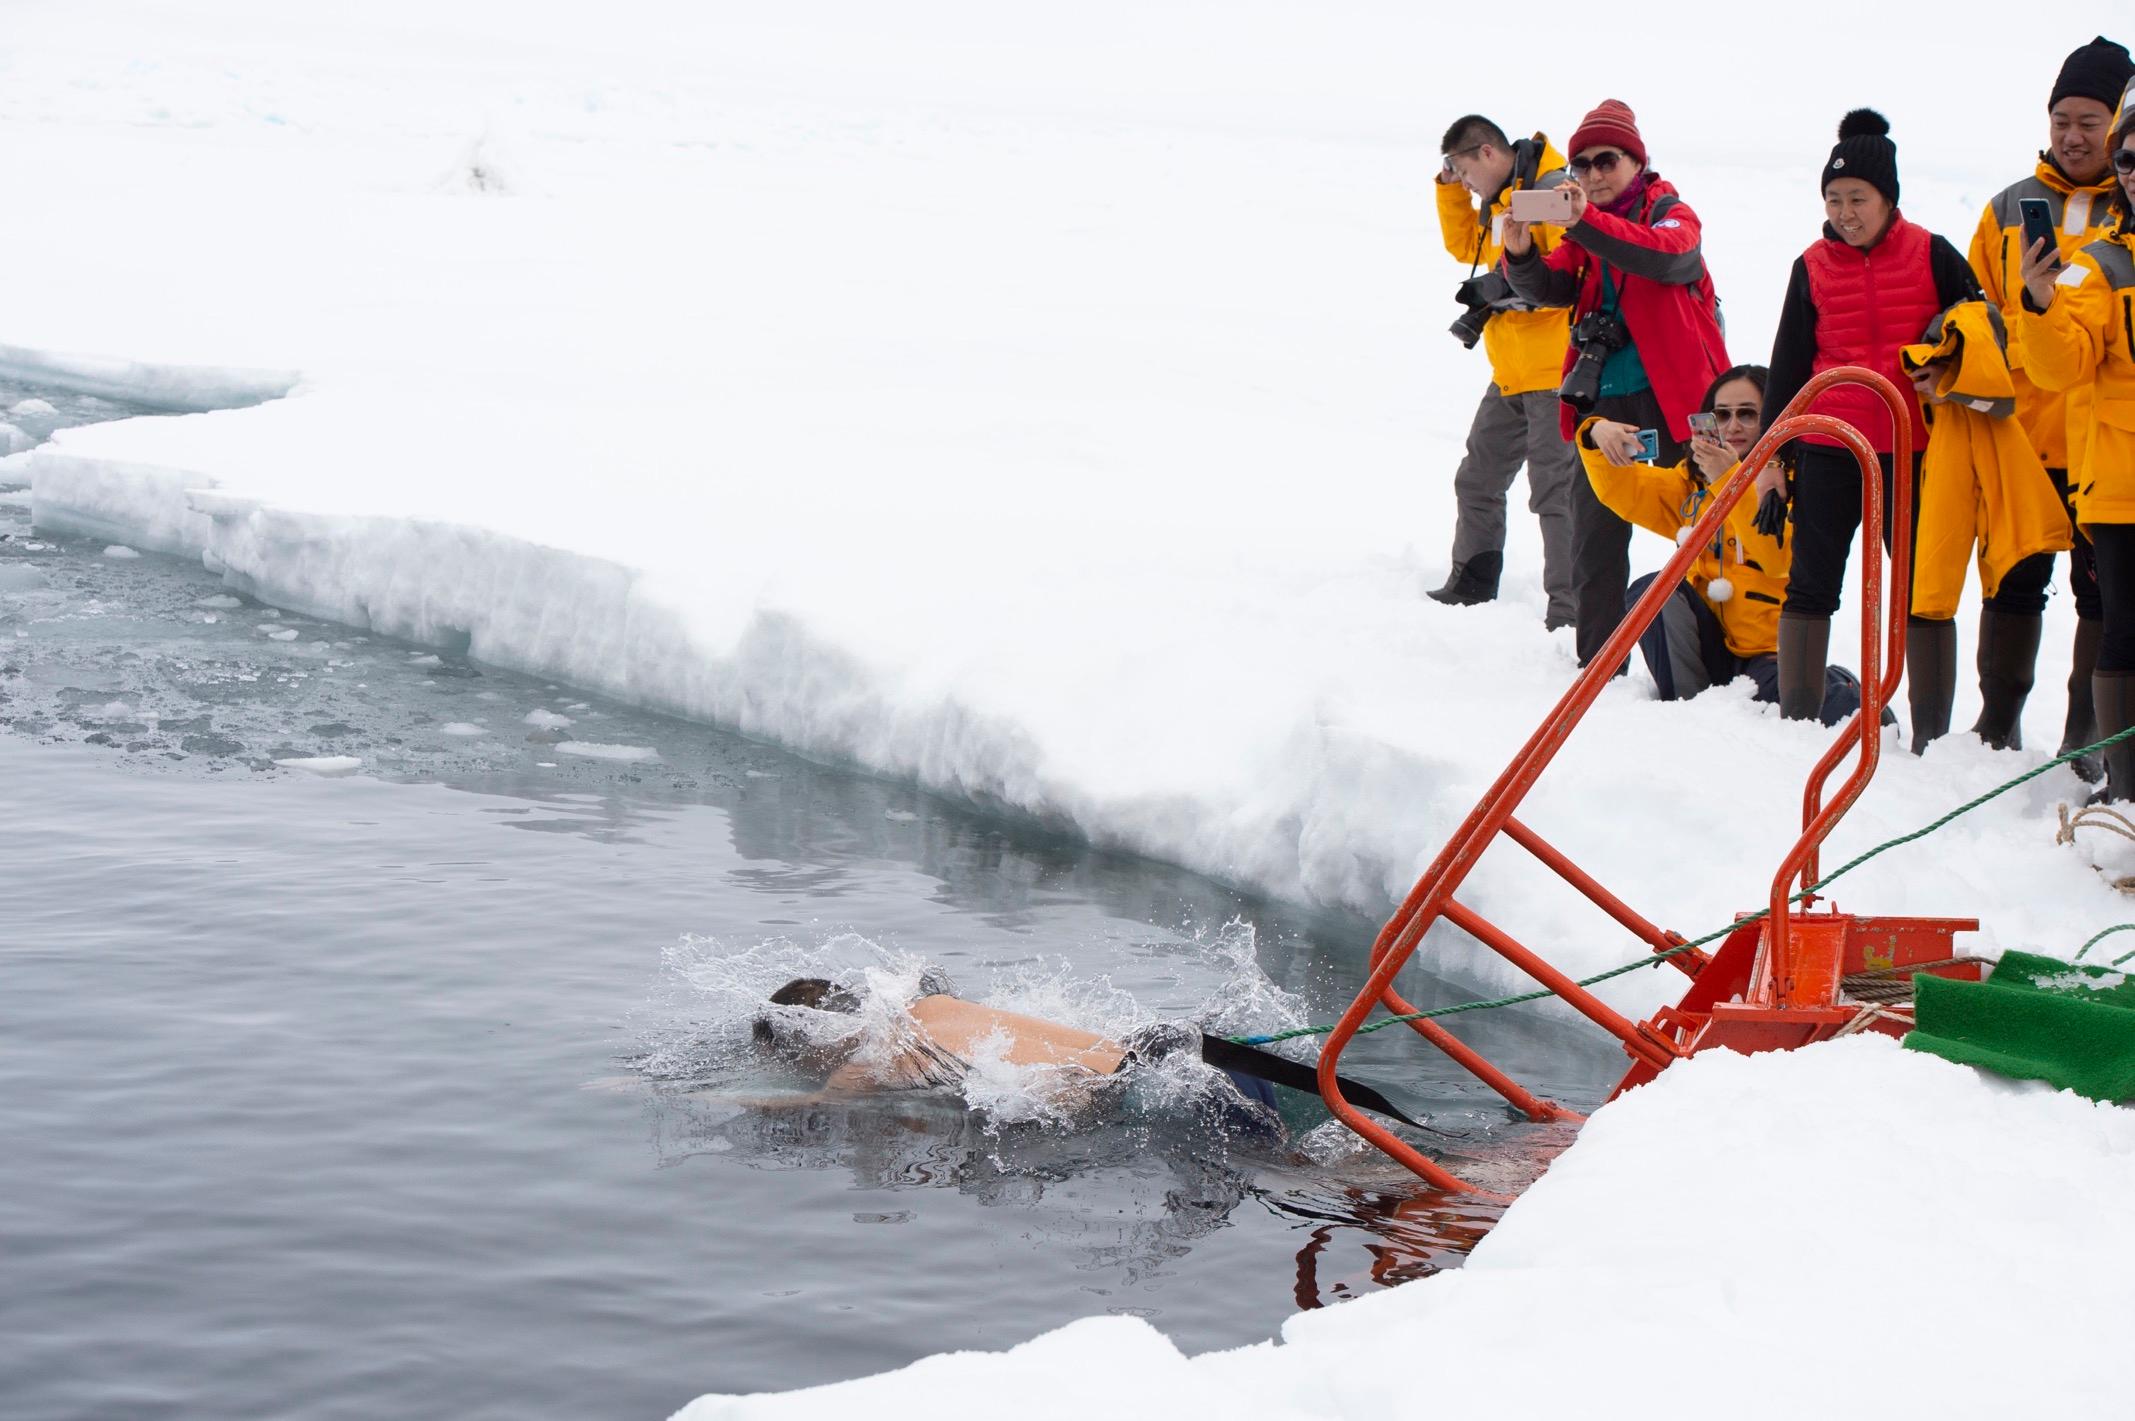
[1846, 306]
[1664, 295]
[1869, 302]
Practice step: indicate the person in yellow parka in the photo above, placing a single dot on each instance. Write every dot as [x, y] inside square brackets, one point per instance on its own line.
[2078, 324]
[1723, 621]
[1516, 421]
[1981, 484]
[2074, 178]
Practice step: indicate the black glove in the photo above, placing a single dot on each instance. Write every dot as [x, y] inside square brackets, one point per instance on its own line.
[1772, 516]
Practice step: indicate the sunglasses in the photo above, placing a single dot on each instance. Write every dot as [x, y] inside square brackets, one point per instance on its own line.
[2124, 160]
[1746, 415]
[1603, 162]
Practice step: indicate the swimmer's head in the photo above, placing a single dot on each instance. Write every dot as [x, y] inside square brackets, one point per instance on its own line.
[788, 1031]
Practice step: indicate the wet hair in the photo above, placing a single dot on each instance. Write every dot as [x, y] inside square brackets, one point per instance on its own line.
[815, 993]
[1472, 130]
[1755, 374]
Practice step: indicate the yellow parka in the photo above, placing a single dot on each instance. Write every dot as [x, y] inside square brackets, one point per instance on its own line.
[2081, 216]
[1526, 348]
[1749, 567]
[1981, 482]
[2087, 338]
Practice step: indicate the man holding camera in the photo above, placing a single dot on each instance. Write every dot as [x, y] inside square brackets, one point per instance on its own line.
[1645, 339]
[1516, 422]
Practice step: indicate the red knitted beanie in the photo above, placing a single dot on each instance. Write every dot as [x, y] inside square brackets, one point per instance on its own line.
[1611, 123]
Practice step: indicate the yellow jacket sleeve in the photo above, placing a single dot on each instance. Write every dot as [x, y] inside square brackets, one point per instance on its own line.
[1986, 257]
[2063, 348]
[1465, 239]
[1640, 493]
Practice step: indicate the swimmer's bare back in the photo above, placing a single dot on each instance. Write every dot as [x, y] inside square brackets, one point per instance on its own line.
[965, 1030]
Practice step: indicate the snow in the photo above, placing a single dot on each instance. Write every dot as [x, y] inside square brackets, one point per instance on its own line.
[461, 728]
[1666, 1251]
[120, 550]
[1055, 413]
[323, 764]
[595, 750]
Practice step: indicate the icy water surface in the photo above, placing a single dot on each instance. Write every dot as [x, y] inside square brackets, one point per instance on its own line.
[379, 1094]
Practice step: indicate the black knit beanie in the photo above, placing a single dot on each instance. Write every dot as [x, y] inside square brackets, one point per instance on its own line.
[1864, 151]
[2099, 70]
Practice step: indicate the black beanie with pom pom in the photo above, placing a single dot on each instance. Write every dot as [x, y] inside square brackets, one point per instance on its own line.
[1864, 151]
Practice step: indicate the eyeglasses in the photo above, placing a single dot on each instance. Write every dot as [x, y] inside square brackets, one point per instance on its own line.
[2124, 160]
[1603, 162]
[1748, 414]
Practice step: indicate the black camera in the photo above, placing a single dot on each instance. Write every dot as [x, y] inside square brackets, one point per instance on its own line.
[1484, 296]
[1597, 337]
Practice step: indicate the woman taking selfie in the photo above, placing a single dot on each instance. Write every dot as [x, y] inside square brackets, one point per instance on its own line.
[1869, 286]
[1723, 620]
[2079, 330]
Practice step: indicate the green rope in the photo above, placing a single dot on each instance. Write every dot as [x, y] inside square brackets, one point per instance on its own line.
[1656, 958]
[2116, 928]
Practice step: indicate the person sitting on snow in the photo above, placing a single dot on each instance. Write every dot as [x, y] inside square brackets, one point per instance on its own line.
[1723, 620]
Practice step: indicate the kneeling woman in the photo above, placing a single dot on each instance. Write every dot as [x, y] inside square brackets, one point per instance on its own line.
[1723, 621]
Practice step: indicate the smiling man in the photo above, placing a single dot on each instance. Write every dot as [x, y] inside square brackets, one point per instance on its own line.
[2074, 178]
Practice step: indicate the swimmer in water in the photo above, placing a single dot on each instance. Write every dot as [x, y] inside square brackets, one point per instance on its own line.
[945, 1033]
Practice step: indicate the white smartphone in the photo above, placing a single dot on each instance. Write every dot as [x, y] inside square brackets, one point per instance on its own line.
[1553, 204]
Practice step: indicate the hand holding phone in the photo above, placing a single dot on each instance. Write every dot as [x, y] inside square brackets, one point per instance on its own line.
[1553, 205]
[1649, 445]
[1706, 425]
[2038, 225]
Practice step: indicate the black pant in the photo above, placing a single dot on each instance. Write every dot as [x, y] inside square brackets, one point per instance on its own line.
[2023, 589]
[1601, 542]
[1827, 513]
[2115, 545]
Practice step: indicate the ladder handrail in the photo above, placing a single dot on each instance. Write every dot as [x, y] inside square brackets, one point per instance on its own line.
[1427, 902]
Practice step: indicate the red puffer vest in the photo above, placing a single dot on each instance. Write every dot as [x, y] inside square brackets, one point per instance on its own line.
[1869, 302]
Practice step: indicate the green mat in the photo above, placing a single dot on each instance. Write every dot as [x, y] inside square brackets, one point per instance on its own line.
[2035, 1018]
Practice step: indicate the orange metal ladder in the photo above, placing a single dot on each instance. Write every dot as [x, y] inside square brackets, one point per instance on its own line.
[1775, 981]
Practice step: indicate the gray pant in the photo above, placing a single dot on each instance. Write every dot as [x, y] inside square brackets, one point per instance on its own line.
[1511, 430]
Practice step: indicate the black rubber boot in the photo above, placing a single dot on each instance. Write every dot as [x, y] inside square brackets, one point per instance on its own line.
[2008, 654]
[2114, 695]
[1471, 582]
[1930, 678]
[1804, 646]
[2081, 728]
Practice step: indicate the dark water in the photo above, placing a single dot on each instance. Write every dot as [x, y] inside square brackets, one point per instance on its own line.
[318, 1095]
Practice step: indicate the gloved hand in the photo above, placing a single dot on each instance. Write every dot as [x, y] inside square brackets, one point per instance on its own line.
[1772, 516]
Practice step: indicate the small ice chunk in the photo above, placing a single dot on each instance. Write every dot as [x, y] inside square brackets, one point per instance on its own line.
[461, 727]
[323, 764]
[424, 658]
[594, 750]
[899, 816]
[270, 612]
[221, 601]
[546, 719]
[31, 407]
[120, 550]
[279, 633]
[544, 764]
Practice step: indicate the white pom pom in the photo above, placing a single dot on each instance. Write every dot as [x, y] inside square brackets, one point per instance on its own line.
[1719, 590]
[1682, 536]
